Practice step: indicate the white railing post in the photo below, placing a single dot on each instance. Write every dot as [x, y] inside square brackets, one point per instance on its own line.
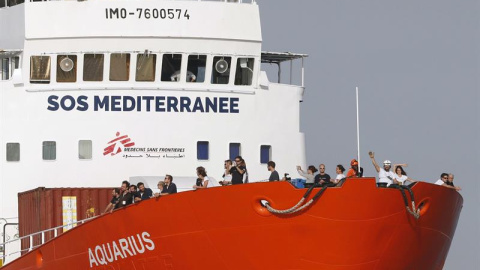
[55, 232]
[303, 73]
[43, 237]
[291, 70]
[31, 243]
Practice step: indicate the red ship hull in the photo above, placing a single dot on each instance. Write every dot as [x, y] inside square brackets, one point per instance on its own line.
[356, 226]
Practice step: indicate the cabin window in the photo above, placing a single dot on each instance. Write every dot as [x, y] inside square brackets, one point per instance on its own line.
[244, 71]
[85, 149]
[93, 67]
[40, 69]
[119, 66]
[265, 154]
[66, 68]
[13, 151]
[221, 69]
[49, 150]
[171, 66]
[4, 68]
[16, 62]
[196, 68]
[146, 67]
[202, 150]
[234, 150]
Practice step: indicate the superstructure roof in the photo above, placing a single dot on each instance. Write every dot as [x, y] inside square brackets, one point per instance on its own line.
[279, 57]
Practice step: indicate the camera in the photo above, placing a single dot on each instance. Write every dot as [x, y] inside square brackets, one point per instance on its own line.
[287, 177]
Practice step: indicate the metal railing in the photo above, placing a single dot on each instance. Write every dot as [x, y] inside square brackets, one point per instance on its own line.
[226, 1]
[42, 233]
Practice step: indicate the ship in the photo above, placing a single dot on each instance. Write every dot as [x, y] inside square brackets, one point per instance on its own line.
[95, 92]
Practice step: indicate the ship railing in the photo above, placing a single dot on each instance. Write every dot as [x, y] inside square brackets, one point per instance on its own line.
[31, 245]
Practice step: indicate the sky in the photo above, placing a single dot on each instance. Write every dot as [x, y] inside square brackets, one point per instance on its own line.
[417, 66]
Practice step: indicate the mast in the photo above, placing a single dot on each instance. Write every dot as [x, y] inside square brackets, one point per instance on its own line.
[358, 131]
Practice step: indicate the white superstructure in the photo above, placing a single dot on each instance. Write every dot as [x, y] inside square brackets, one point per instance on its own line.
[94, 92]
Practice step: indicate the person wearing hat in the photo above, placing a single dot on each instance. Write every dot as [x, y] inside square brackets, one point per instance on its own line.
[354, 171]
[384, 174]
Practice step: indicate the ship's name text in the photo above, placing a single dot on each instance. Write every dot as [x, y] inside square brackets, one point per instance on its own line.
[145, 103]
[147, 13]
[122, 248]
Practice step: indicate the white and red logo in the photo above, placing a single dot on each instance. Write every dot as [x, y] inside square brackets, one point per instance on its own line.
[115, 146]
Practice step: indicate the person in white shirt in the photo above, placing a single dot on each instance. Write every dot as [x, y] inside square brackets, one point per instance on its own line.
[339, 170]
[384, 174]
[202, 180]
[400, 175]
[443, 181]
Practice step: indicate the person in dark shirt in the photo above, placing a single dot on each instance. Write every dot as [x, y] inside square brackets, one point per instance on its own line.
[170, 188]
[113, 201]
[322, 178]
[143, 192]
[135, 195]
[274, 174]
[237, 171]
[125, 197]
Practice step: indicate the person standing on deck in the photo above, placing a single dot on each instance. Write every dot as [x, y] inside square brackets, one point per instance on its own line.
[384, 174]
[274, 174]
[322, 178]
[444, 181]
[237, 171]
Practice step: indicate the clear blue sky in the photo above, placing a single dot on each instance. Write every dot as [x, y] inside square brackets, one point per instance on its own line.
[417, 64]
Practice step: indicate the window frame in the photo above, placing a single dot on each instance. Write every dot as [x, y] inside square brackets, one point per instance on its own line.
[269, 153]
[12, 144]
[80, 147]
[44, 153]
[199, 157]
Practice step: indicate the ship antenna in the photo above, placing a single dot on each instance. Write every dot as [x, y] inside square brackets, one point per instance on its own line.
[358, 133]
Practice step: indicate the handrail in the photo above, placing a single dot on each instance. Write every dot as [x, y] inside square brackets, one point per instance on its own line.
[30, 236]
[226, 1]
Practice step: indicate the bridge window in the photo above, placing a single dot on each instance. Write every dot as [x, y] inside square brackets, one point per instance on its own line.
[13, 152]
[40, 69]
[49, 150]
[119, 66]
[66, 68]
[234, 150]
[85, 149]
[202, 150]
[146, 67]
[265, 154]
[15, 62]
[196, 68]
[221, 69]
[93, 67]
[171, 66]
[4, 68]
[244, 72]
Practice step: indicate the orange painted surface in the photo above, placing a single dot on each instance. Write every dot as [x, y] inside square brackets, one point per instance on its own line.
[357, 226]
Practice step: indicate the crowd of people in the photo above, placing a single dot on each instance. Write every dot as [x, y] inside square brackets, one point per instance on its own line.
[235, 172]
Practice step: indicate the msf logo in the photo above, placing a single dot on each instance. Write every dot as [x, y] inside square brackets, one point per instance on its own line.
[114, 146]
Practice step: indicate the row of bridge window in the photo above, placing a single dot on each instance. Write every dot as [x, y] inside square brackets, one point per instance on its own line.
[148, 67]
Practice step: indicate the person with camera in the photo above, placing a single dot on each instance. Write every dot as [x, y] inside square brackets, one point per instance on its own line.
[237, 171]
[126, 197]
